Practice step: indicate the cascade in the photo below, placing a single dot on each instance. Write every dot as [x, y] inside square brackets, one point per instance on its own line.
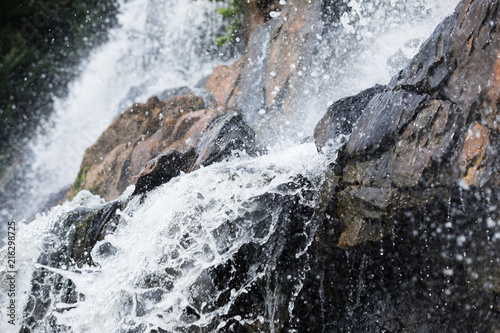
[229, 247]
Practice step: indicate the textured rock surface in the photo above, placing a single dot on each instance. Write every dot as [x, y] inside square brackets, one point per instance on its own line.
[437, 124]
[419, 178]
[226, 133]
[141, 133]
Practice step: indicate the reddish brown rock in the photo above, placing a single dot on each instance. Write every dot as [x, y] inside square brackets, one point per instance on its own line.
[223, 82]
[140, 133]
[151, 143]
[216, 141]
[271, 74]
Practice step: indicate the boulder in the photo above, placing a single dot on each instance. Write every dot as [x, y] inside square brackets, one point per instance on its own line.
[418, 179]
[434, 127]
[141, 133]
[225, 134]
[138, 134]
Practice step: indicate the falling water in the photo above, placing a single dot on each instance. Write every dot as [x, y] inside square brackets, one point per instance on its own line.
[156, 270]
[158, 45]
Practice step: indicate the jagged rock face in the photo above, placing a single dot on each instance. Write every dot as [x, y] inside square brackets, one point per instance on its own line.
[226, 133]
[419, 177]
[437, 124]
[341, 117]
[141, 133]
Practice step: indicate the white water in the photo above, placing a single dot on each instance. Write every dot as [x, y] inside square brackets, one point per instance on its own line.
[180, 228]
[151, 231]
[375, 40]
[159, 45]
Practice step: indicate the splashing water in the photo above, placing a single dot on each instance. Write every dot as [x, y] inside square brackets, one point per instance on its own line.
[156, 269]
[159, 45]
[161, 258]
[370, 43]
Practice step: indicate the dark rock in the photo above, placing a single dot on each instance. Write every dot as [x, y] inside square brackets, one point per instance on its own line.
[423, 133]
[163, 168]
[225, 134]
[384, 117]
[68, 248]
[342, 115]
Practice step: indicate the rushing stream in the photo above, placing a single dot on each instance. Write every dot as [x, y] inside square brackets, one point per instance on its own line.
[157, 269]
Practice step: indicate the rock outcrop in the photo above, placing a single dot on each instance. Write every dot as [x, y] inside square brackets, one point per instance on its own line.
[420, 170]
[433, 128]
[157, 131]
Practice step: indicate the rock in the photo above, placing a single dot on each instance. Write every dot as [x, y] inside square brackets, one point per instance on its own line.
[427, 129]
[225, 134]
[140, 133]
[419, 178]
[163, 168]
[222, 83]
[341, 116]
[269, 76]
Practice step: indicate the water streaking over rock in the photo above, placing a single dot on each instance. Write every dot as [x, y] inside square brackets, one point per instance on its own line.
[187, 255]
[158, 45]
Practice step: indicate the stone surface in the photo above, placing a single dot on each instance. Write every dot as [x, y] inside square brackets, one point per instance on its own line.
[342, 115]
[225, 134]
[139, 134]
[419, 178]
[223, 82]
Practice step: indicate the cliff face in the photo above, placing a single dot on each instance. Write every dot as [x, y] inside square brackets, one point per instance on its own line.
[421, 168]
[404, 231]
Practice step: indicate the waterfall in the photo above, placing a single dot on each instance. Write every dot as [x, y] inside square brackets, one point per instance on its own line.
[158, 45]
[156, 270]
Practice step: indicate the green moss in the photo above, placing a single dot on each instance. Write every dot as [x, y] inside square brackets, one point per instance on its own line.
[233, 13]
[80, 180]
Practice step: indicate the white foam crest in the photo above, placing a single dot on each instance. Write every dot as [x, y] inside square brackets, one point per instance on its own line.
[183, 227]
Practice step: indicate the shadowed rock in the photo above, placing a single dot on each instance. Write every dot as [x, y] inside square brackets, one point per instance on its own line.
[342, 115]
[224, 135]
[419, 177]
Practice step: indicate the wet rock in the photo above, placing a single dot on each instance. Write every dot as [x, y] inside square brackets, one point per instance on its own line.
[163, 168]
[419, 178]
[342, 115]
[67, 249]
[270, 75]
[225, 134]
[426, 130]
[140, 133]
[223, 81]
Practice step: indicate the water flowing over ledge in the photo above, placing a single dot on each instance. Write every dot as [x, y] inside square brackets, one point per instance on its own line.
[391, 227]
